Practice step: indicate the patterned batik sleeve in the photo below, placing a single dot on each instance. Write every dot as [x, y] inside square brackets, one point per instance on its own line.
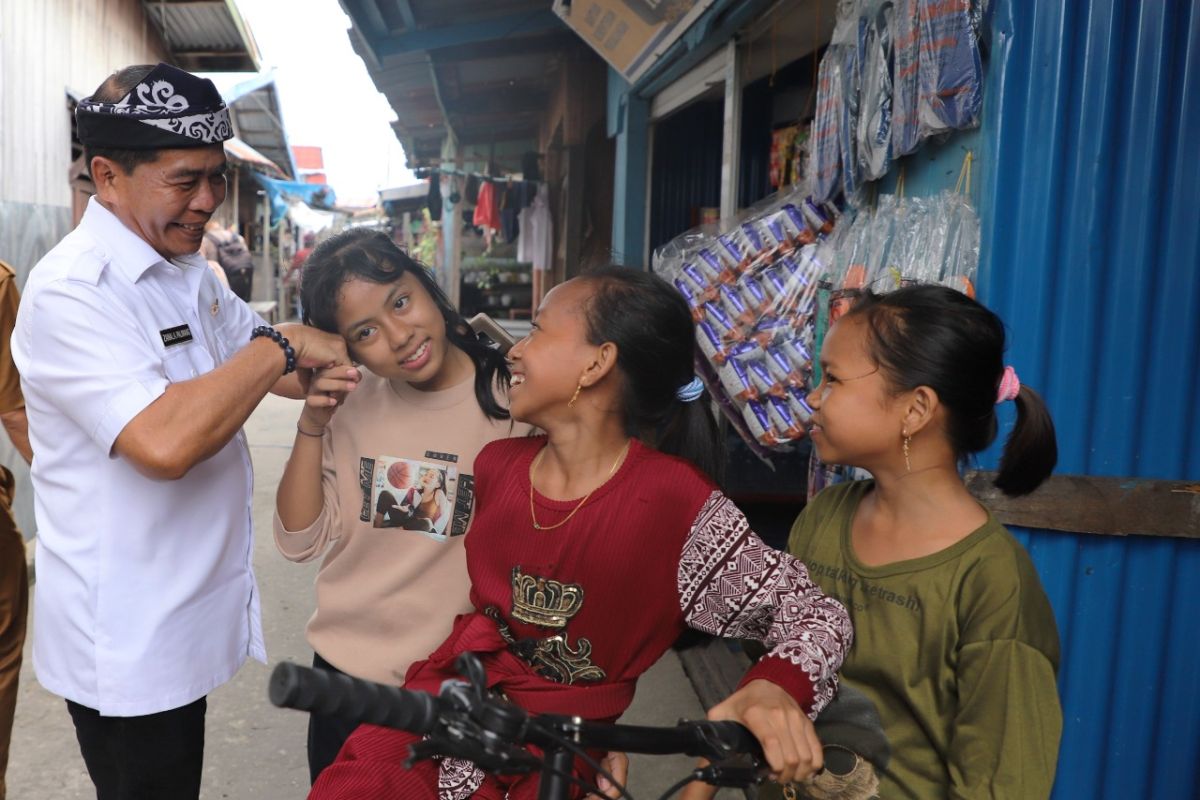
[732, 584]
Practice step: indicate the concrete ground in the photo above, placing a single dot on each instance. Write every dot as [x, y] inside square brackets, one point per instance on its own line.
[253, 749]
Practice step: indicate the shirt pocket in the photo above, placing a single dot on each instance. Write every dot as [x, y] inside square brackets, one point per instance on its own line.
[182, 363]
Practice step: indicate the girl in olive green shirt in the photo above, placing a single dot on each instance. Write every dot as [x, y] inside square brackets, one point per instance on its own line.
[955, 641]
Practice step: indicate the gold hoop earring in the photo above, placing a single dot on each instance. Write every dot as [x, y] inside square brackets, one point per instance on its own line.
[574, 397]
[907, 442]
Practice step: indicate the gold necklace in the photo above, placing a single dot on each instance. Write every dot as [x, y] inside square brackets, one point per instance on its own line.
[533, 514]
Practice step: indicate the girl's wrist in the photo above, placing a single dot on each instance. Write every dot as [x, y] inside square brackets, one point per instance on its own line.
[310, 427]
[315, 434]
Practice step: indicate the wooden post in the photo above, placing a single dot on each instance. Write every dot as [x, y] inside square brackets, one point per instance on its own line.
[731, 141]
[237, 223]
[631, 174]
[265, 264]
[277, 275]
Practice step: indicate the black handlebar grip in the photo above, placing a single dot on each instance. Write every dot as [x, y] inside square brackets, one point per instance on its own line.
[732, 737]
[712, 740]
[353, 699]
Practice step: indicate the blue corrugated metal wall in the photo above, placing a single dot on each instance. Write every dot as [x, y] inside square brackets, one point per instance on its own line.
[1089, 190]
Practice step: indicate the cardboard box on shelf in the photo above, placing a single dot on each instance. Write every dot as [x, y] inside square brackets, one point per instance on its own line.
[630, 34]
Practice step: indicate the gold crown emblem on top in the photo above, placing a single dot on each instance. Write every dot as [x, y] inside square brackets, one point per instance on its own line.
[544, 602]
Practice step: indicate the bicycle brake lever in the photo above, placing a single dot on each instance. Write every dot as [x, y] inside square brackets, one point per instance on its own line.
[464, 739]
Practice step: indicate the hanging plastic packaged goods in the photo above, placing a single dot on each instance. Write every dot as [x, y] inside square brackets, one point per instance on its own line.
[874, 136]
[850, 36]
[905, 241]
[824, 152]
[764, 291]
[905, 80]
[950, 71]
[751, 291]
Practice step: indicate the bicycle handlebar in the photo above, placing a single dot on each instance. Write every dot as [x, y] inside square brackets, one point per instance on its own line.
[340, 695]
[337, 694]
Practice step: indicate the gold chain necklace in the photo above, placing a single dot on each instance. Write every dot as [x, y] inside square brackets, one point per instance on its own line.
[533, 514]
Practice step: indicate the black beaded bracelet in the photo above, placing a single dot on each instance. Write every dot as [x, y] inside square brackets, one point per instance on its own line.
[289, 354]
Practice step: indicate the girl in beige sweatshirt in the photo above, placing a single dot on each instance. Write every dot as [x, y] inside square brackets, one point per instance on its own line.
[383, 488]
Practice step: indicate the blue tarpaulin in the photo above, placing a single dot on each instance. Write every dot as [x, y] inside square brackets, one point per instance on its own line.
[284, 193]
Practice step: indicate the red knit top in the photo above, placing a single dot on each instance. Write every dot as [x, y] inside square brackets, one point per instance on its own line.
[567, 619]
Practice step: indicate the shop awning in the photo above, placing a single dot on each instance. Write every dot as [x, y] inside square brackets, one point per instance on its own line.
[480, 69]
[204, 35]
[258, 119]
[239, 151]
[283, 194]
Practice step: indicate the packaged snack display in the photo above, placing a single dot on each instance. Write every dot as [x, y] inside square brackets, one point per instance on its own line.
[751, 291]
[764, 291]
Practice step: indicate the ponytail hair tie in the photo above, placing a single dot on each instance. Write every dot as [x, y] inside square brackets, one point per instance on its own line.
[690, 391]
[1010, 386]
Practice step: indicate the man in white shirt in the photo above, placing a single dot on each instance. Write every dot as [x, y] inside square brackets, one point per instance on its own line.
[139, 369]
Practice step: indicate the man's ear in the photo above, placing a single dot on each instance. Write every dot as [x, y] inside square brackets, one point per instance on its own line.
[105, 174]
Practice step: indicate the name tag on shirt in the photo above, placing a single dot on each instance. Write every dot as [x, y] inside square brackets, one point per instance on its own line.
[180, 334]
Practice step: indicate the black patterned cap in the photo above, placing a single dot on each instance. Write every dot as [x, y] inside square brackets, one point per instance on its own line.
[169, 108]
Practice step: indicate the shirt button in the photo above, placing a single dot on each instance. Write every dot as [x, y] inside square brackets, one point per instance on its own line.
[194, 373]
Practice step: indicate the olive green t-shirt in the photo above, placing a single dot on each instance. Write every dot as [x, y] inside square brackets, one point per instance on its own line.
[958, 651]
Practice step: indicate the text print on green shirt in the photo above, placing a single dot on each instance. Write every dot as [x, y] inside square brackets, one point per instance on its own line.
[846, 581]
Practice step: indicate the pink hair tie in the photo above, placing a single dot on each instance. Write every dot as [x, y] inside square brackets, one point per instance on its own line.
[1010, 386]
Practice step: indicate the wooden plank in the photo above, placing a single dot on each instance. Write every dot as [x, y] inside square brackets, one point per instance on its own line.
[1091, 504]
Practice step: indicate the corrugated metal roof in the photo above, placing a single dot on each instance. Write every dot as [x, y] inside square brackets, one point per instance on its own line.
[238, 150]
[258, 120]
[1090, 201]
[450, 71]
[205, 35]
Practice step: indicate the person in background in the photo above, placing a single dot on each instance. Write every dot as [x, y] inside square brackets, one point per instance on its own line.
[291, 280]
[139, 369]
[209, 250]
[228, 248]
[955, 640]
[14, 576]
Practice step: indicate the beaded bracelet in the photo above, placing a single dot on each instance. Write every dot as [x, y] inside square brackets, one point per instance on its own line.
[289, 354]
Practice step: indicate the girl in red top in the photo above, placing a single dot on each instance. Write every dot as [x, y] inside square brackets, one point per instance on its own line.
[595, 546]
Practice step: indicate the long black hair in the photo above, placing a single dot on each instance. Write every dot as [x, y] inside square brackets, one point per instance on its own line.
[651, 326]
[370, 255]
[938, 337]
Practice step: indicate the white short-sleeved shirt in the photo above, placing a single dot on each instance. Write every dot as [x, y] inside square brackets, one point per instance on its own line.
[145, 597]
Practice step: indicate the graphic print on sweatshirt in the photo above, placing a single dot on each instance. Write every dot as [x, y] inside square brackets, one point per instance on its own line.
[418, 495]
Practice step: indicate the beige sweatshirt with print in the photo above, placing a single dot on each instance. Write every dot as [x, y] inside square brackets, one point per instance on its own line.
[398, 484]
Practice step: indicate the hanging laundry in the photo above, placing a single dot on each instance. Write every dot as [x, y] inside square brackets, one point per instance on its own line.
[540, 241]
[487, 214]
[472, 189]
[525, 234]
[434, 199]
[509, 208]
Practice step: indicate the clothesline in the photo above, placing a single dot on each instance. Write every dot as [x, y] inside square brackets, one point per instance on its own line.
[426, 172]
